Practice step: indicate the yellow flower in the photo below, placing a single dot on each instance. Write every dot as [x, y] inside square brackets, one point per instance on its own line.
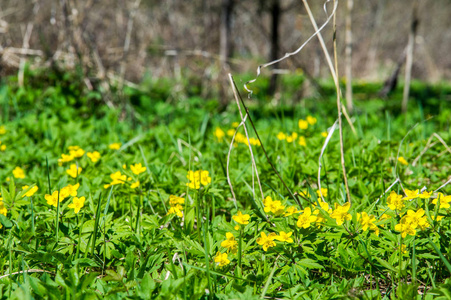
[137, 169]
[305, 220]
[235, 124]
[384, 217]
[340, 214]
[367, 222]
[438, 218]
[30, 192]
[52, 199]
[76, 151]
[281, 136]
[403, 249]
[416, 219]
[324, 134]
[290, 211]
[425, 195]
[2, 129]
[115, 146]
[320, 218]
[395, 201]
[254, 142]
[74, 171]
[18, 173]
[302, 124]
[230, 132]
[266, 241]
[325, 206]
[442, 201]
[323, 191]
[134, 185]
[205, 179]
[3, 210]
[405, 228]
[230, 243]
[93, 156]
[174, 200]
[411, 194]
[2, 148]
[302, 141]
[77, 204]
[219, 134]
[403, 161]
[65, 158]
[176, 210]
[69, 190]
[194, 179]
[289, 139]
[241, 219]
[274, 207]
[284, 237]
[117, 178]
[311, 120]
[197, 178]
[240, 138]
[221, 259]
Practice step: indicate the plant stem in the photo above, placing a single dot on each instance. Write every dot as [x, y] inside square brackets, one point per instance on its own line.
[240, 246]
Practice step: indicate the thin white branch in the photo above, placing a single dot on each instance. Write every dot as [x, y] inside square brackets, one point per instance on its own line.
[386, 191]
[291, 53]
[329, 136]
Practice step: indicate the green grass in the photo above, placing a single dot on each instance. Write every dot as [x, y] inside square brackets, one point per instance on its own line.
[123, 244]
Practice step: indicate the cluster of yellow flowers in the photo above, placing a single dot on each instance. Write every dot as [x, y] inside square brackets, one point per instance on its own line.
[239, 137]
[197, 178]
[267, 241]
[291, 138]
[413, 220]
[77, 152]
[74, 152]
[66, 192]
[176, 207]
[303, 124]
[119, 178]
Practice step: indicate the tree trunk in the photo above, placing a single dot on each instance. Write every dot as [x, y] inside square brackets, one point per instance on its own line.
[348, 53]
[225, 49]
[274, 52]
[409, 56]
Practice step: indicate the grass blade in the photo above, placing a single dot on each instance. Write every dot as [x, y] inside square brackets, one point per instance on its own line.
[268, 282]
[445, 261]
[96, 223]
[48, 175]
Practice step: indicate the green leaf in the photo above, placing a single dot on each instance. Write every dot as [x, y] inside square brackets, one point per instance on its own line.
[5, 221]
[310, 264]
[385, 264]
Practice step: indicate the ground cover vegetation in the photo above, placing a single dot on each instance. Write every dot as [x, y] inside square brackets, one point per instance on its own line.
[135, 202]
